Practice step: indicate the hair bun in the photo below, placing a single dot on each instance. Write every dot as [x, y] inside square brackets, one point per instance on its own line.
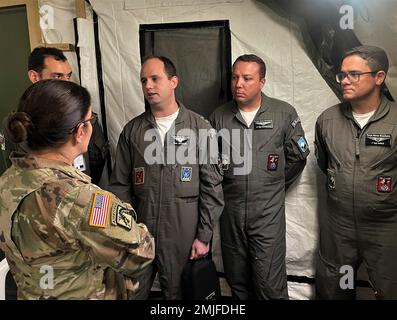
[18, 126]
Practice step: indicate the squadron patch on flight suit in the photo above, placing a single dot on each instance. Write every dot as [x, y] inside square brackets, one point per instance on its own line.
[384, 184]
[263, 124]
[180, 140]
[120, 216]
[373, 139]
[302, 144]
[272, 162]
[330, 179]
[295, 122]
[99, 214]
[186, 174]
[139, 176]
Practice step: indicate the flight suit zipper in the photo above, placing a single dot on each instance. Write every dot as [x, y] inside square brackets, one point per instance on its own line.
[356, 164]
[160, 198]
[159, 206]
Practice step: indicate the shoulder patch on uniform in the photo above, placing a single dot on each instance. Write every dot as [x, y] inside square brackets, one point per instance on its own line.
[295, 122]
[99, 215]
[302, 144]
[123, 217]
[120, 216]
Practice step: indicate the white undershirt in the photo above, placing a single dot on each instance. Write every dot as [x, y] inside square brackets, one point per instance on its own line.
[164, 124]
[362, 118]
[249, 116]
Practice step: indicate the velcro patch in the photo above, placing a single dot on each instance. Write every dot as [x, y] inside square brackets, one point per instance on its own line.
[302, 145]
[118, 211]
[272, 162]
[384, 184]
[186, 174]
[263, 124]
[99, 214]
[139, 176]
[375, 139]
[124, 218]
[330, 179]
[295, 122]
[180, 140]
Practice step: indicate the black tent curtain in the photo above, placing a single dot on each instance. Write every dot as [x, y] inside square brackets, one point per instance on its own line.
[325, 42]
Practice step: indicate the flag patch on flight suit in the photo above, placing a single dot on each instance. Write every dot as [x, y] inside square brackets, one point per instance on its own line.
[272, 162]
[384, 184]
[186, 174]
[180, 140]
[295, 122]
[374, 139]
[263, 124]
[99, 214]
[120, 216]
[330, 179]
[139, 176]
[302, 144]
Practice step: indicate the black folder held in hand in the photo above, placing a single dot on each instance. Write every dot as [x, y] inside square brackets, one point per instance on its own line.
[200, 280]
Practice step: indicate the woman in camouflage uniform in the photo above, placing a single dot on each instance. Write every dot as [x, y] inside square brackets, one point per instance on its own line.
[64, 237]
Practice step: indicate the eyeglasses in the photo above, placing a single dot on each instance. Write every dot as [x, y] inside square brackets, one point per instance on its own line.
[93, 120]
[353, 76]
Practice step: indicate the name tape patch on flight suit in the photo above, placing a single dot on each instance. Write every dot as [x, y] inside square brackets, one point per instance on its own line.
[122, 217]
[302, 144]
[272, 162]
[384, 184]
[139, 176]
[263, 124]
[180, 140]
[186, 174]
[99, 214]
[295, 122]
[374, 139]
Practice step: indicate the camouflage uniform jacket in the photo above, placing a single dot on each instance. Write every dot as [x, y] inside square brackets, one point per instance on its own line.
[47, 217]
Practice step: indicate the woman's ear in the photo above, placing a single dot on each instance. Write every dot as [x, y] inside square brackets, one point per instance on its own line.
[79, 133]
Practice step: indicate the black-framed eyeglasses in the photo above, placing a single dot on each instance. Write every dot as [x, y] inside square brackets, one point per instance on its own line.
[93, 120]
[353, 76]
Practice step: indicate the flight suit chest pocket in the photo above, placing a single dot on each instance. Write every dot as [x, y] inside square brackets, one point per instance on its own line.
[186, 182]
[262, 138]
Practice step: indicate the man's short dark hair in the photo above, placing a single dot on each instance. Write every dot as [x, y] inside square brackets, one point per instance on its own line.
[169, 67]
[376, 57]
[253, 58]
[38, 55]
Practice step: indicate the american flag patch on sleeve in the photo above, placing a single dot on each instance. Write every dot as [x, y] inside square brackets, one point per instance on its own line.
[100, 210]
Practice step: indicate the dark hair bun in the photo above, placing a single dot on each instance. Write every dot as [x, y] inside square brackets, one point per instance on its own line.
[18, 126]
